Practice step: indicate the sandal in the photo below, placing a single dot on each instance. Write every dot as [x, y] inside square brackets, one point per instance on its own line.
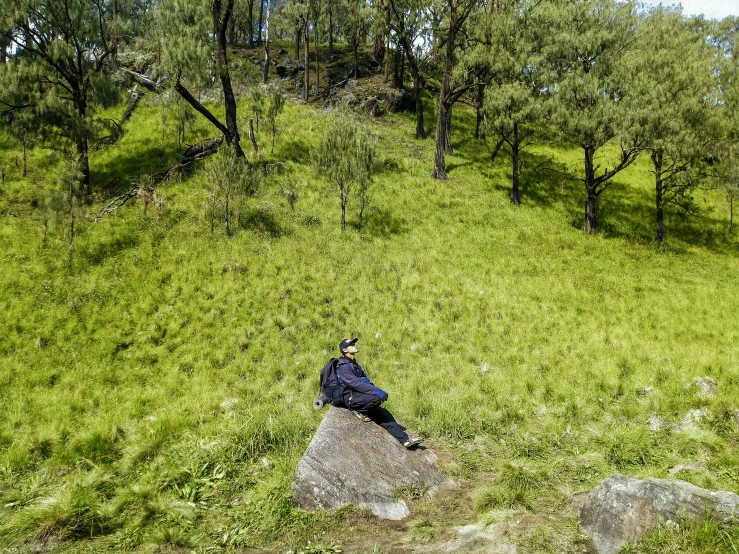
[362, 416]
[410, 443]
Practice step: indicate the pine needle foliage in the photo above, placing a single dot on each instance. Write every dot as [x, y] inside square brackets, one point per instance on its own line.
[345, 157]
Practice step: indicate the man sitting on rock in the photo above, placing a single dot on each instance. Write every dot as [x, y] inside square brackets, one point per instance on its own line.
[362, 397]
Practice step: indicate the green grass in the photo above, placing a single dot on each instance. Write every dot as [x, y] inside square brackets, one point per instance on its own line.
[159, 394]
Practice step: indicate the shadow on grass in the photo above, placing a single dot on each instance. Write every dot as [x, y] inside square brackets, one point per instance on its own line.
[262, 222]
[296, 150]
[114, 171]
[624, 210]
[96, 252]
[384, 223]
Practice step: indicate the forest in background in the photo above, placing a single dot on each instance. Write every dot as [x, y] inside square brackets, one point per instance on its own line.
[190, 220]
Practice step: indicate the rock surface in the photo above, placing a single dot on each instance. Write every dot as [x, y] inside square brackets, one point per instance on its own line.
[622, 509]
[289, 67]
[474, 539]
[706, 386]
[352, 462]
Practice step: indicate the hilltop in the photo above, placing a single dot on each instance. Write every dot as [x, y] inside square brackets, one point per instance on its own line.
[158, 394]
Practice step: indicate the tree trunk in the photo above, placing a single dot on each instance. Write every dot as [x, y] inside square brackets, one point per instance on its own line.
[228, 222]
[378, 47]
[265, 71]
[731, 213]
[439, 164]
[659, 228]
[330, 29]
[515, 150]
[448, 130]
[355, 37]
[25, 167]
[318, 62]
[232, 30]
[252, 136]
[397, 72]
[343, 212]
[71, 239]
[443, 141]
[420, 132]
[496, 149]
[251, 24]
[591, 194]
[232, 137]
[479, 133]
[115, 29]
[415, 71]
[362, 205]
[306, 73]
[261, 18]
[298, 40]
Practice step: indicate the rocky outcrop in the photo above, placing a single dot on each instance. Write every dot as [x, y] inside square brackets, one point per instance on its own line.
[352, 462]
[622, 509]
[289, 67]
[396, 100]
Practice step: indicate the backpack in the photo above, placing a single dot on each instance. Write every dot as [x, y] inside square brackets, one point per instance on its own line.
[330, 386]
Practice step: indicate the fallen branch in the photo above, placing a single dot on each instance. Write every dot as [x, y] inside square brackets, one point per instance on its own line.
[201, 150]
[147, 82]
[117, 202]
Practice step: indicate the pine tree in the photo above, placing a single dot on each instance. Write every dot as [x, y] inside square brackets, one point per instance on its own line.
[514, 106]
[672, 105]
[589, 40]
[345, 158]
[452, 16]
[408, 20]
[63, 53]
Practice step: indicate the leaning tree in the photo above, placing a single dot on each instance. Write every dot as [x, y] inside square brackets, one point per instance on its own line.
[194, 40]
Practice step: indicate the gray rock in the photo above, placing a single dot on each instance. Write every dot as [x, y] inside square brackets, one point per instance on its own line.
[693, 418]
[655, 422]
[352, 462]
[352, 84]
[473, 539]
[397, 100]
[289, 67]
[706, 386]
[622, 509]
[687, 466]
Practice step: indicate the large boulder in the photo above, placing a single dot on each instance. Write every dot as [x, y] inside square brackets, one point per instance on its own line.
[289, 67]
[622, 509]
[352, 462]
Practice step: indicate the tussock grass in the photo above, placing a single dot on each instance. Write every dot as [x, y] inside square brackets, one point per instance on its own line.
[685, 536]
[181, 364]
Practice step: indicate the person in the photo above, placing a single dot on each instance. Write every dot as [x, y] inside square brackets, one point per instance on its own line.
[363, 398]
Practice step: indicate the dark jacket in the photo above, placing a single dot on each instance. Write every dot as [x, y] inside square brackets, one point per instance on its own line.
[351, 375]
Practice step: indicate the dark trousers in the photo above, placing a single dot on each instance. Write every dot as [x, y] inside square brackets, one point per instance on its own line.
[369, 405]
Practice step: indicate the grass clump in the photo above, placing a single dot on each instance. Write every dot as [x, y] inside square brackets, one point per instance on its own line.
[687, 536]
[515, 476]
[490, 499]
[630, 446]
[422, 529]
[72, 513]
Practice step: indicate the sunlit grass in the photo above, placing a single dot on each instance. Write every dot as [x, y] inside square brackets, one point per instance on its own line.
[181, 364]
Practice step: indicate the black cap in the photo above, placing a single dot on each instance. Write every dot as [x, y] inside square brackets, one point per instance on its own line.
[346, 343]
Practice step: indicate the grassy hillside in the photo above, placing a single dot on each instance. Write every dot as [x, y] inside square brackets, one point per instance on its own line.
[158, 395]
